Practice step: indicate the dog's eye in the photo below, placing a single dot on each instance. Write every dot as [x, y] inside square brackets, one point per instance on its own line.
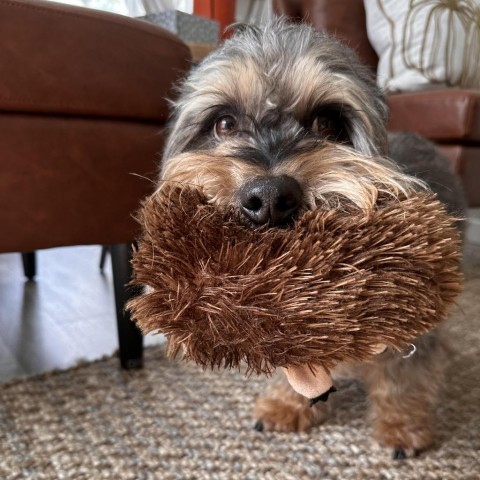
[325, 126]
[225, 125]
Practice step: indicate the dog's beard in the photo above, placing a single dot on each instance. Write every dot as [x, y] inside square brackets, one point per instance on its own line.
[331, 176]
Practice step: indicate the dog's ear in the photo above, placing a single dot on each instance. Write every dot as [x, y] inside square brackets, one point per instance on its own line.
[239, 28]
[281, 22]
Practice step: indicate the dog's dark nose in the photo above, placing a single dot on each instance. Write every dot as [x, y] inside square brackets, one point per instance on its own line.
[272, 200]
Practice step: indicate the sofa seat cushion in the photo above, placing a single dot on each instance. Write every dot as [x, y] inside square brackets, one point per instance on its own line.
[443, 115]
[65, 60]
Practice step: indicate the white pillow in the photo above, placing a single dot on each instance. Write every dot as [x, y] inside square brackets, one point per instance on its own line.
[424, 44]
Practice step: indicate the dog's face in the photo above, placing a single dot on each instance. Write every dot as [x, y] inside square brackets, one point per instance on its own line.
[278, 120]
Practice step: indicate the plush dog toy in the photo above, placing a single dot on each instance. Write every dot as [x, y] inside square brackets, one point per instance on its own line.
[338, 285]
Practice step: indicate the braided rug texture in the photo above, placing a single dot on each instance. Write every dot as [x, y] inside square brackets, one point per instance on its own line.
[173, 421]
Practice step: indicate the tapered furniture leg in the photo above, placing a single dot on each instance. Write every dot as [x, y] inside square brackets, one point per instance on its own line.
[129, 336]
[29, 264]
[103, 256]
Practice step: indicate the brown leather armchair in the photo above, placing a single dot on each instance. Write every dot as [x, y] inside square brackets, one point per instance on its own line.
[82, 107]
[449, 117]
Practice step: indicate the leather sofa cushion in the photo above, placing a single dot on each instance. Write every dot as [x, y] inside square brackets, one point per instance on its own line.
[344, 19]
[59, 59]
[443, 115]
[288, 8]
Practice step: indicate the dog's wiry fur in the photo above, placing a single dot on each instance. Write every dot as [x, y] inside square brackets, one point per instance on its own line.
[274, 80]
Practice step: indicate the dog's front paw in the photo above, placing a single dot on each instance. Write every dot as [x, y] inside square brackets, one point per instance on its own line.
[405, 439]
[283, 410]
[401, 454]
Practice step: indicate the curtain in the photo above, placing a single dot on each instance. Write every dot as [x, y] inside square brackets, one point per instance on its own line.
[133, 8]
[155, 6]
[247, 11]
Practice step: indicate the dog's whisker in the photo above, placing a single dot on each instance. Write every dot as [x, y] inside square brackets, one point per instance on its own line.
[143, 177]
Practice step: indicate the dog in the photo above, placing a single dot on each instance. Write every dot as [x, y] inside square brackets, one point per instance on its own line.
[283, 119]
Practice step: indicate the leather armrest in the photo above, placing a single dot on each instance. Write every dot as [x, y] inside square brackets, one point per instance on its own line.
[60, 59]
[444, 115]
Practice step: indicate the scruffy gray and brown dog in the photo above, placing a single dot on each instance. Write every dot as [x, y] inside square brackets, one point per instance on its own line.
[282, 119]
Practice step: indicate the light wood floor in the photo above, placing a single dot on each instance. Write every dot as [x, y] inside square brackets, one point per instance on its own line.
[67, 314]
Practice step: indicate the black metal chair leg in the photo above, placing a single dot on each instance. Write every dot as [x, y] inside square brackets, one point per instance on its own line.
[29, 264]
[129, 336]
[103, 256]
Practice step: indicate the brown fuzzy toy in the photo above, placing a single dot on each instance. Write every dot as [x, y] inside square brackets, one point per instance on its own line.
[336, 286]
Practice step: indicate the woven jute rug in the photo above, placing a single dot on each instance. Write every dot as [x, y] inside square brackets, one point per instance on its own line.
[173, 421]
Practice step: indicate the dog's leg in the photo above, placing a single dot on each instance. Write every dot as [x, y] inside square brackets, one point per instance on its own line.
[403, 392]
[282, 409]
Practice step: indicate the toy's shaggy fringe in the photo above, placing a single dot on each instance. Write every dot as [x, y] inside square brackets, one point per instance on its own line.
[327, 290]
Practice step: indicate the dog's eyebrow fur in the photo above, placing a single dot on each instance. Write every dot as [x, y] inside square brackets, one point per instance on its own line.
[279, 77]
[288, 67]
